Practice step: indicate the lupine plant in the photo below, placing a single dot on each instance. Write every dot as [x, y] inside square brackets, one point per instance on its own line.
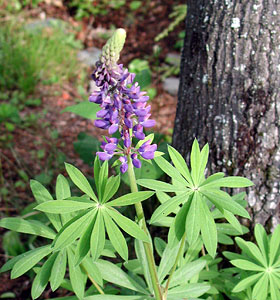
[89, 237]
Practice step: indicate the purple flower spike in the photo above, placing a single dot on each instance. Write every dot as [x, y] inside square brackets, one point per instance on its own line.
[124, 108]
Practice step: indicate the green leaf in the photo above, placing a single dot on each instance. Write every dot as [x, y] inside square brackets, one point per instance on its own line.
[203, 162]
[167, 261]
[114, 297]
[80, 181]
[191, 290]
[178, 226]
[27, 226]
[92, 270]
[160, 245]
[260, 289]
[76, 275]
[41, 195]
[128, 226]
[84, 109]
[11, 262]
[262, 241]
[83, 246]
[116, 237]
[160, 186]
[63, 206]
[167, 207]
[247, 265]
[111, 188]
[180, 164]
[131, 198]
[186, 272]
[233, 221]
[102, 179]
[96, 171]
[212, 178]
[224, 239]
[192, 222]
[274, 245]
[62, 189]
[251, 250]
[222, 200]
[208, 227]
[58, 270]
[170, 170]
[274, 288]
[112, 273]
[97, 240]
[29, 260]
[72, 230]
[42, 277]
[195, 162]
[142, 257]
[230, 182]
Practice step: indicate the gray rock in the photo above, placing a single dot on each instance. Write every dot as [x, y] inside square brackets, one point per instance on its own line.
[41, 24]
[173, 59]
[89, 56]
[171, 85]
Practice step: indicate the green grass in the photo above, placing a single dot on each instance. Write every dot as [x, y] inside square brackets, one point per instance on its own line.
[29, 57]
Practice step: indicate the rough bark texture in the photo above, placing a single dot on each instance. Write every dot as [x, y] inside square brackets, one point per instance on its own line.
[229, 94]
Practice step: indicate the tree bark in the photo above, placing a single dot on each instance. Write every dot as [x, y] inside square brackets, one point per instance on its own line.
[229, 94]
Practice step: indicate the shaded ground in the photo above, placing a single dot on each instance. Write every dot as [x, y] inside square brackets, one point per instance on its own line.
[142, 26]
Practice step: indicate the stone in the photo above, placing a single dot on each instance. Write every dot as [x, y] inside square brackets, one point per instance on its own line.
[89, 56]
[173, 59]
[45, 23]
[171, 85]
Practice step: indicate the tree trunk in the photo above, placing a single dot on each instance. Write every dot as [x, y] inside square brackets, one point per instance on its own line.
[229, 94]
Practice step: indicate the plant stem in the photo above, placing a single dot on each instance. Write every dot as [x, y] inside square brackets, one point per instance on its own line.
[147, 246]
[182, 246]
[93, 281]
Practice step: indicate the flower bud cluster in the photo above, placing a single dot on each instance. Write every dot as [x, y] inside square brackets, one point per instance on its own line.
[124, 109]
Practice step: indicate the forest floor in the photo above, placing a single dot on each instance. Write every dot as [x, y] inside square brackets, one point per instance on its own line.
[40, 149]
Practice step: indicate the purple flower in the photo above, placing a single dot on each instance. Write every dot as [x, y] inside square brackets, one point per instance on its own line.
[124, 109]
[124, 165]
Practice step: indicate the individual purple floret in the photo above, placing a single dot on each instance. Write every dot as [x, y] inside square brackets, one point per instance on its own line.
[124, 109]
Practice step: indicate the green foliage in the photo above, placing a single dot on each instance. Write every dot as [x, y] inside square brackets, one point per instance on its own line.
[257, 267]
[86, 8]
[30, 56]
[178, 15]
[197, 195]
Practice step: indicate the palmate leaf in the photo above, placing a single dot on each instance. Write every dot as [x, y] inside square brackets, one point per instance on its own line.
[29, 260]
[180, 164]
[128, 226]
[230, 182]
[130, 198]
[262, 240]
[160, 186]
[90, 267]
[77, 277]
[274, 245]
[64, 206]
[191, 290]
[28, 226]
[102, 179]
[115, 297]
[208, 227]
[192, 225]
[97, 240]
[73, 229]
[170, 170]
[116, 237]
[58, 270]
[167, 207]
[42, 277]
[41, 195]
[112, 273]
[222, 200]
[260, 289]
[80, 181]
[112, 186]
[247, 265]
[274, 287]
[62, 188]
